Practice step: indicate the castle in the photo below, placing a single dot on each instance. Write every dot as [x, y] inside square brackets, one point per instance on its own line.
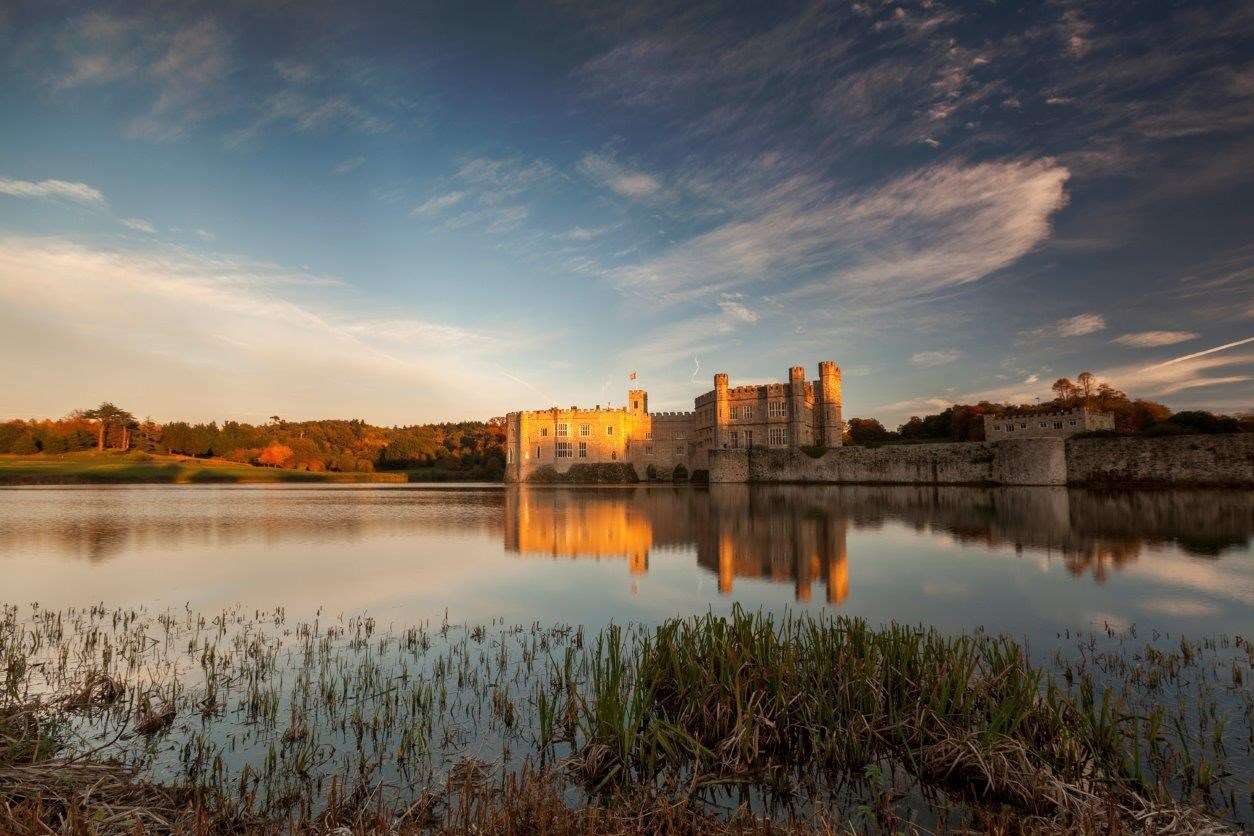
[798, 413]
[1046, 424]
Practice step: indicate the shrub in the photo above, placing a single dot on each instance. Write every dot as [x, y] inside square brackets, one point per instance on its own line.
[700, 476]
[651, 473]
[679, 474]
[25, 444]
[814, 451]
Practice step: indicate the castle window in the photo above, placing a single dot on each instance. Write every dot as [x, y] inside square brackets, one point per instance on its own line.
[648, 435]
[777, 436]
[777, 409]
[537, 451]
[1023, 425]
[1058, 425]
[635, 404]
[544, 431]
[735, 440]
[583, 449]
[679, 449]
[679, 436]
[648, 450]
[584, 429]
[563, 429]
[613, 455]
[609, 430]
[563, 449]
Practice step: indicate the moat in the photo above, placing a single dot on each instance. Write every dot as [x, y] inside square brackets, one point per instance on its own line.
[1027, 561]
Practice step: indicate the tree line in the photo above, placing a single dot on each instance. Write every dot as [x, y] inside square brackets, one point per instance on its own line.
[467, 449]
[965, 422]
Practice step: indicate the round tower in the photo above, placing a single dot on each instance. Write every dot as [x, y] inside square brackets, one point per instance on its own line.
[722, 411]
[828, 405]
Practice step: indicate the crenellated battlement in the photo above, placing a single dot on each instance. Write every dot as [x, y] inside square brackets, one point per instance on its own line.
[788, 414]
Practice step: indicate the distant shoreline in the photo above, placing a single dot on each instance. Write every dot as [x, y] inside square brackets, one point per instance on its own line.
[112, 468]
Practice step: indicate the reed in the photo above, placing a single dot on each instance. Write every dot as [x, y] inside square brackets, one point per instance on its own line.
[122, 721]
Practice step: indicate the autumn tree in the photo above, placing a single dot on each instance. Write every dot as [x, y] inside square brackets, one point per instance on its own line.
[1087, 383]
[276, 455]
[107, 415]
[1064, 390]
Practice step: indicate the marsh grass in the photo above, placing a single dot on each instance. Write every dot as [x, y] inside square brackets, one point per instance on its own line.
[113, 720]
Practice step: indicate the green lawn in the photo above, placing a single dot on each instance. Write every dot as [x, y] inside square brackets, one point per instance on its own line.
[112, 467]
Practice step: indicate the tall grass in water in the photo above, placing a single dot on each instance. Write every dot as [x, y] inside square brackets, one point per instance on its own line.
[245, 718]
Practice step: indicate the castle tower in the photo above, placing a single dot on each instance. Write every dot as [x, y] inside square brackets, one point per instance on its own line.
[637, 401]
[722, 412]
[796, 407]
[828, 406]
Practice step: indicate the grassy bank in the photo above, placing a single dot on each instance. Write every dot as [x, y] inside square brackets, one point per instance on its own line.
[110, 467]
[176, 722]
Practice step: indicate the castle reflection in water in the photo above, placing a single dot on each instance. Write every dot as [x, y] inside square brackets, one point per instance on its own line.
[782, 534]
[734, 536]
[800, 534]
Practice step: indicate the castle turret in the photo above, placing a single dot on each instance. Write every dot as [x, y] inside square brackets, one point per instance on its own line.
[722, 412]
[829, 420]
[796, 407]
[637, 401]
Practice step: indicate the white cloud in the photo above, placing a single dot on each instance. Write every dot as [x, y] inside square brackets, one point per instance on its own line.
[931, 359]
[139, 225]
[623, 181]
[220, 330]
[1079, 325]
[1153, 339]
[437, 204]
[345, 166]
[942, 226]
[581, 233]
[53, 189]
[736, 311]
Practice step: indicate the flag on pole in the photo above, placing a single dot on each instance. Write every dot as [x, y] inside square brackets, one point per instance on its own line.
[631, 376]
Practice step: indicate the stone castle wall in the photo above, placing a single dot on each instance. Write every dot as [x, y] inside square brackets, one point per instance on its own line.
[1178, 460]
[1226, 459]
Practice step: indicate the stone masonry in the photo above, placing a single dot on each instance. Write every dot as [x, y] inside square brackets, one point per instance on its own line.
[782, 416]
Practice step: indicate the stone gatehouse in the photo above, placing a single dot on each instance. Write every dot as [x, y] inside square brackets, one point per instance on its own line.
[789, 415]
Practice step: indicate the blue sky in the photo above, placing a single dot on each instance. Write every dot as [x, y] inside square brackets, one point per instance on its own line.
[434, 211]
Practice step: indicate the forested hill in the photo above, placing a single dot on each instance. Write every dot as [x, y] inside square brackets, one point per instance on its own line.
[468, 449]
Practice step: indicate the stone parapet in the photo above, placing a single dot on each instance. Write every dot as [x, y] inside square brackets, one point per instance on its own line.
[1201, 460]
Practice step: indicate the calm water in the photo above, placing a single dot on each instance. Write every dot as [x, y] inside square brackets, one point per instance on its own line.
[1029, 561]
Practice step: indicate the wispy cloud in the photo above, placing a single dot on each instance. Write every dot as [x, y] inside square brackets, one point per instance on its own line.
[1154, 339]
[1080, 324]
[54, 190]
[324, 351]
[439, 203]
[350, 164]
[139, 225]
[626, 182]
[942, 226]
[1071, 326]
[931, 359]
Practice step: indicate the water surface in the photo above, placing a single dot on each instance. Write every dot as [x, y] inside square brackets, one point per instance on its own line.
[1029, 561]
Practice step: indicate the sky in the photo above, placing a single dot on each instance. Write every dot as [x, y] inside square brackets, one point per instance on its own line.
[420, 211]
